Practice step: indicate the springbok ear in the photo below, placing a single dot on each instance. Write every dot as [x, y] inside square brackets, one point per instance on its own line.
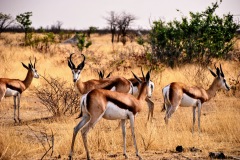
[148, 76]
[81, 65]
[109, 74]
[100, 74]
[214, 74]
[138, 79]
[25, 66]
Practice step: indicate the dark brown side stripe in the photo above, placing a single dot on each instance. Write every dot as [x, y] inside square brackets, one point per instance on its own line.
[14, 88]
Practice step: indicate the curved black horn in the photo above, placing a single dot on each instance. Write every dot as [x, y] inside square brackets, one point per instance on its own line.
[136, 77]
[30, 62]
[213, 73]
[35, 62]
[218, 70]
[81, 65]
[70, 63]
[142, 73]
[83, 57]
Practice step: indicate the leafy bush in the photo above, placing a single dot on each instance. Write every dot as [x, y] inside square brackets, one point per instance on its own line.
[203, 37]
[83, 41]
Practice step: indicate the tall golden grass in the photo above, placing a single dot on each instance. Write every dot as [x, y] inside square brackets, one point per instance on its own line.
[219, 121]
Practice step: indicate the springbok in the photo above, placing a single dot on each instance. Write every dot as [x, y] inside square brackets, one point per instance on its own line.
[136, 88]
[110, 105]
[118, 84]
[15, 87]
[179, 94]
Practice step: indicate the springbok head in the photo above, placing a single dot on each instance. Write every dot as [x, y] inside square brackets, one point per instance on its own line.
[147, 81]
[31, 67]
[219, 78]
[151, 84]
[76, 71]
[101, 74]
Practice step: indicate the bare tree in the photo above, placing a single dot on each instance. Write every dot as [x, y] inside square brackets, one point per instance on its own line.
[123, 23]
[112, 22]
[57, 26]
[5, 21]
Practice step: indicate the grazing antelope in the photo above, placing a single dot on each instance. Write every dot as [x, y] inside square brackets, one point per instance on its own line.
[179, 94]
[15, 87]
[119, 84]
[110, 105]
[101, 74]
[136, 88]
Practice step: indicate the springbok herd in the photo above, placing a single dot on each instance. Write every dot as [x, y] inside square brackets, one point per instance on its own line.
[113, 98]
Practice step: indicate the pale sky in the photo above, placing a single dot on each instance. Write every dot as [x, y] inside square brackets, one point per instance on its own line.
[81, 14]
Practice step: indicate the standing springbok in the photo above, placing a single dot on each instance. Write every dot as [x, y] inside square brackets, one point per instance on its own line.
[136, 89]
[118, 84]
[110, 105]
[179, 94]
[15, 87]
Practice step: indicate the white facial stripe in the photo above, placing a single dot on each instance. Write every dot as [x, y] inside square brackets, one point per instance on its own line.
[76, 75]
[35, 73]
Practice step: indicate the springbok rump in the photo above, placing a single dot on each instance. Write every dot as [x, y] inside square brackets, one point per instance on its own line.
[100, 103]
[179, 94]
[15, 87]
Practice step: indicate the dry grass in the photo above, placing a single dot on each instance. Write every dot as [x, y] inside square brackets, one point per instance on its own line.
[219, 121]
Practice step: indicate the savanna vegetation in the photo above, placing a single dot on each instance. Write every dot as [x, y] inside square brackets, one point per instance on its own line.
[28, 140]
[50, 106]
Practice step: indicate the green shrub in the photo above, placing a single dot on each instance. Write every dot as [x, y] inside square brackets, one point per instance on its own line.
[199, 39]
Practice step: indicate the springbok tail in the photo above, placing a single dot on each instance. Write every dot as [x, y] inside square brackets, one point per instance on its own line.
[164, 106]
[82, 104]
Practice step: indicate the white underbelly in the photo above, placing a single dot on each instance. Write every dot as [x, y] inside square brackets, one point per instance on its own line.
[188, 101]
[114, 112]
[11, 92]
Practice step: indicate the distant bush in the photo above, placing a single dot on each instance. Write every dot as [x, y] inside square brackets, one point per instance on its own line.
[199, 39]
